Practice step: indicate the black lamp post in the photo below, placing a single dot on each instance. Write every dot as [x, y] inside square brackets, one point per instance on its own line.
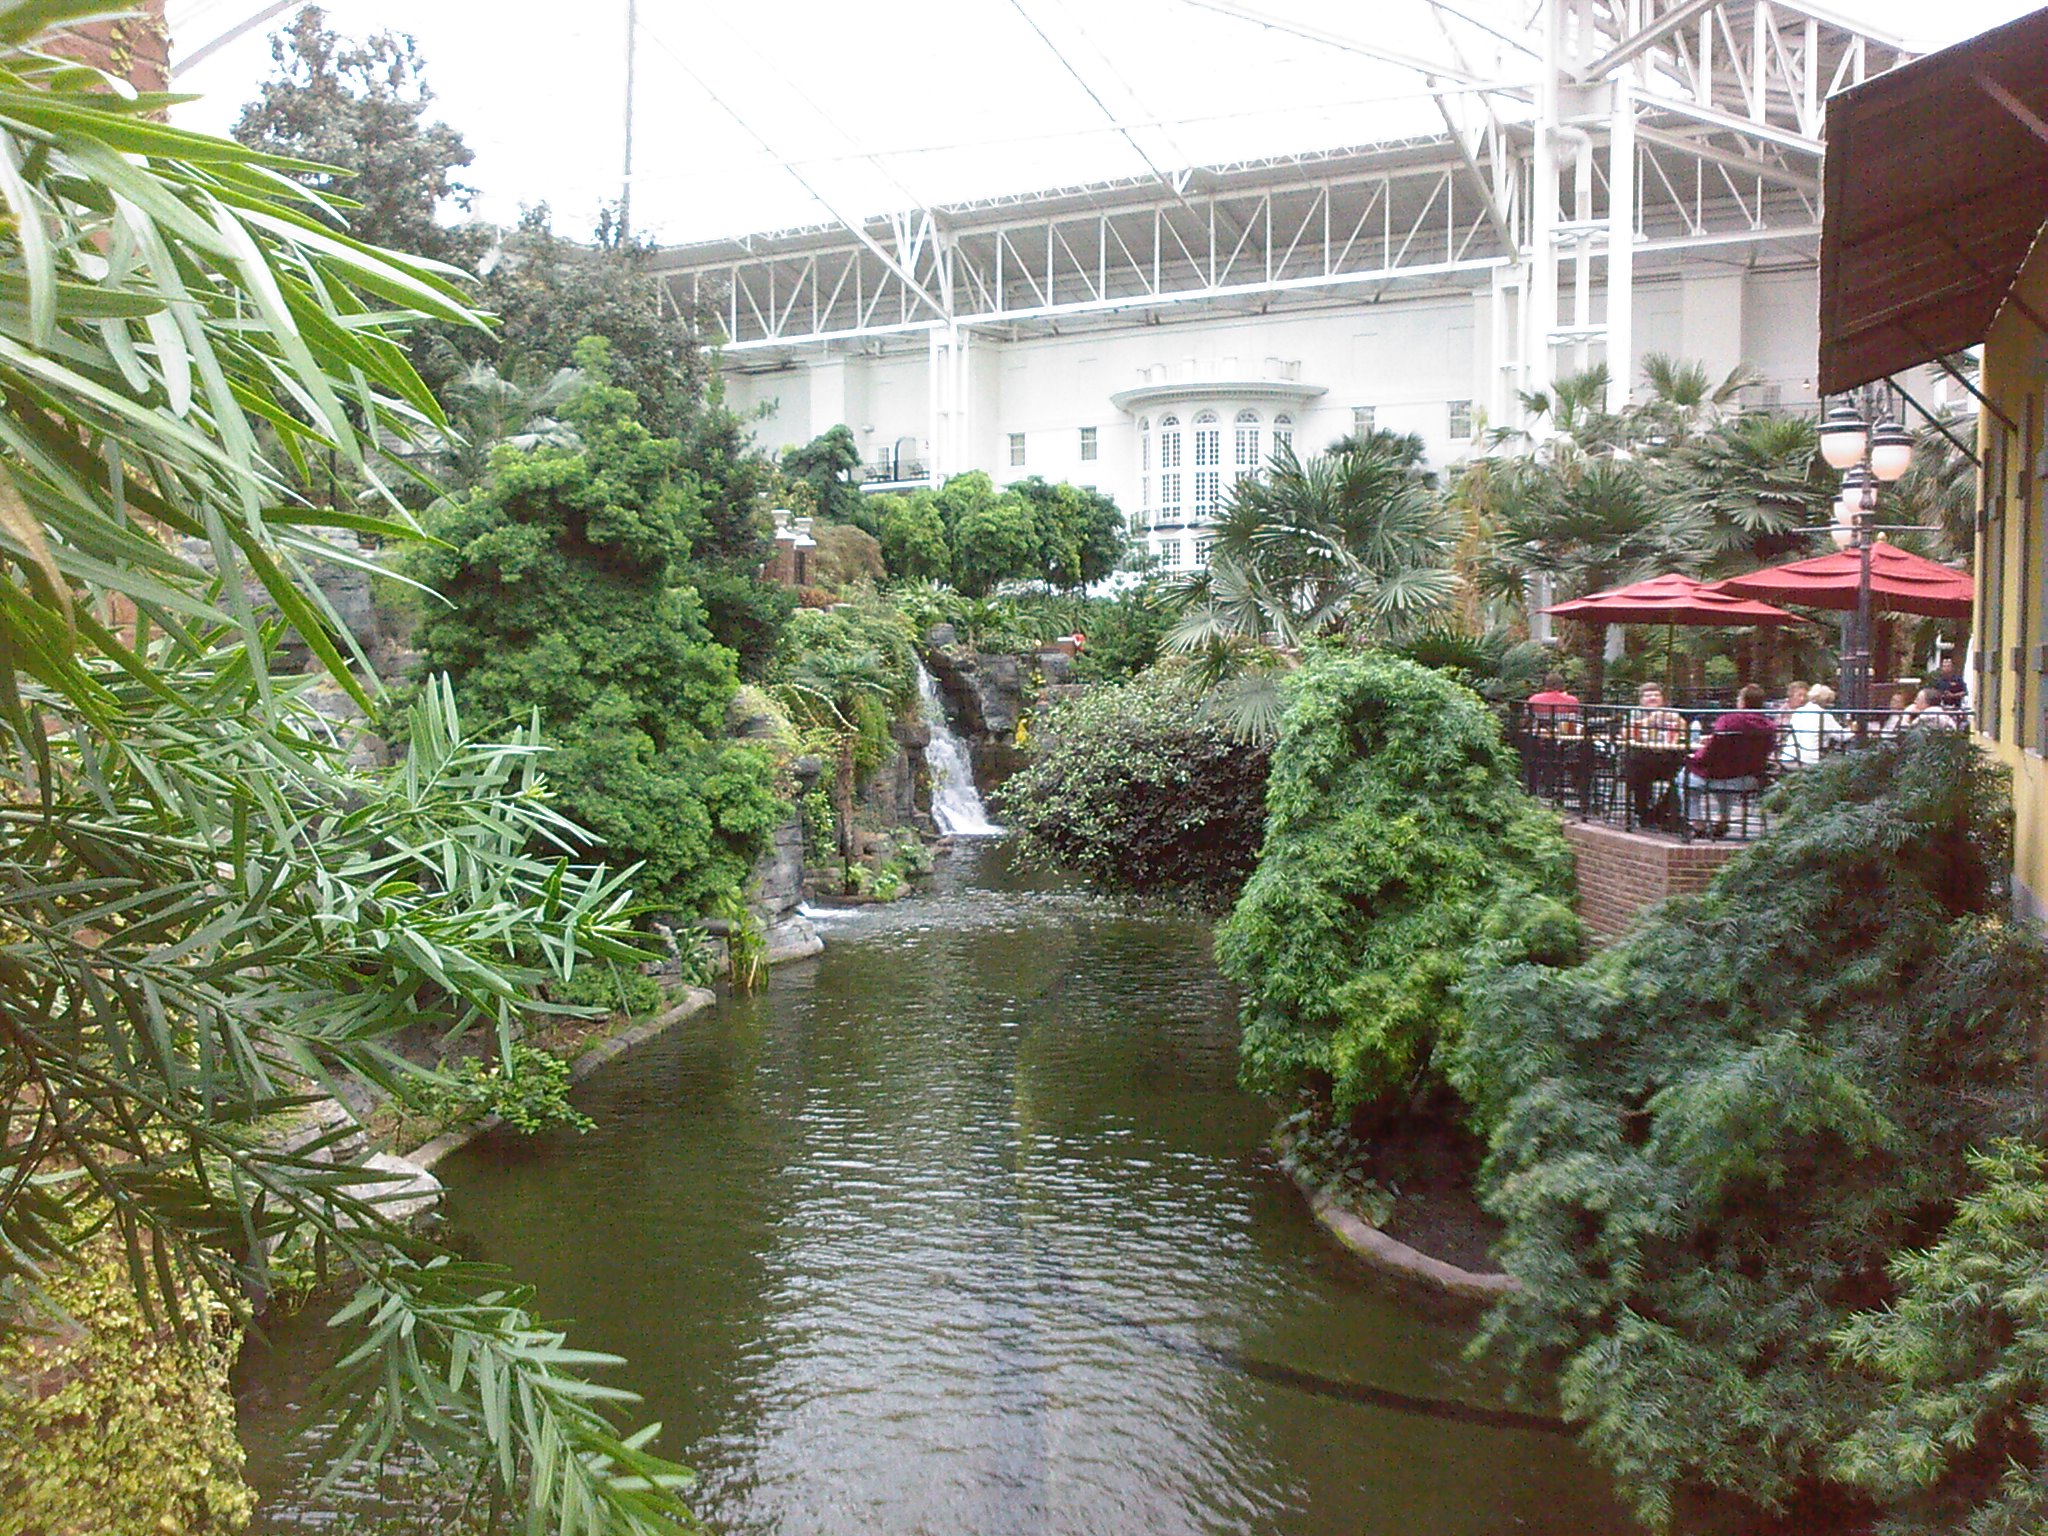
[1867, 458]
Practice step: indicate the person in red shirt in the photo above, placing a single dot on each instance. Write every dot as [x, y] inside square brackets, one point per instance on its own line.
[1553, 703]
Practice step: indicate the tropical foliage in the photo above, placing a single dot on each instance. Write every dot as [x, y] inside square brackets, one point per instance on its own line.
[1397, 837]
[1712, 1141]
[1350, 542]
[211, 913]
[843, 676]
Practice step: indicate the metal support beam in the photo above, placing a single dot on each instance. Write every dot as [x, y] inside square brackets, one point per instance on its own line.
[1645, 39]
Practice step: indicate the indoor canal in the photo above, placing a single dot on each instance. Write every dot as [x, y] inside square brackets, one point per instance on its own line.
[963, 1228]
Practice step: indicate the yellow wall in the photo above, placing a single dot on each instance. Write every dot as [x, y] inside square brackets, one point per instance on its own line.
[2012, 569]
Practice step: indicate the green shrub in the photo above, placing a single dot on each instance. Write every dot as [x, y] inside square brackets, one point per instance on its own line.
[530, 1093]
[1326, 1155]
[562, 577]
[1397, 838]
[1713, 1141]
[1142, 794]
[911, 859]
[116, 1425]
[1957, 1441]
[615, 989]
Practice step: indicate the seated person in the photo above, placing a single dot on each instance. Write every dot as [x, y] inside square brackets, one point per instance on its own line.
[1926, 713]
[1552, 703]
[1732, 759]
[1811, 728]
[1902, 712]
[1653, 723]
[1795, 696]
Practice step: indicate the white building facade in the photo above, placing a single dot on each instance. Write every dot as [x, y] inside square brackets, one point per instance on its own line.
[1656, 190]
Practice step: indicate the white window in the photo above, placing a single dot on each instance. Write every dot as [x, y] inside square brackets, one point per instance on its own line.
[1169, 442]
[1202, 548]
[1169, 498]
[1144, 443]
[1362, 420]
[1087, 445]
[1461, 419]
[1208, 441]
[1283, 432]
[1144, 493]
[1247, 442]
[1016, 450]
[1169, 553]
[1208, 492]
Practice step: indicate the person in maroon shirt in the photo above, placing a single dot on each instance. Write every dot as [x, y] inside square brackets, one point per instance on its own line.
[1742, 740]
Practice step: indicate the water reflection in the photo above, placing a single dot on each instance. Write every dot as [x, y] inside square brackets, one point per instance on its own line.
[964, 1227]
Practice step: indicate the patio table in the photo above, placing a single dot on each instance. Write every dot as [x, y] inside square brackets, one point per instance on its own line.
[1649, 767]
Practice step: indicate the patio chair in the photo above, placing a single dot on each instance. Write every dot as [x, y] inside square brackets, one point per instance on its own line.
[1735, 765]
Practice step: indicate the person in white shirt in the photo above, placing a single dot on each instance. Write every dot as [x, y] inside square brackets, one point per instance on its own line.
[1811, 728]
[1927, 714]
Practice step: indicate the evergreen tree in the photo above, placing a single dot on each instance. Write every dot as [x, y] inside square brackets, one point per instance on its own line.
[563, 573]
[1396, 838]
[1711, 1140]
[362, 106]
[826, 464]
[1959, 1441]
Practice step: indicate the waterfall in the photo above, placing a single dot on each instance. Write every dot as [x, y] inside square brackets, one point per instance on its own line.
[956, 805]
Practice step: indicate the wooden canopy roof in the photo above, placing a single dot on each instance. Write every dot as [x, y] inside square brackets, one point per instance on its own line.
[1936, 187]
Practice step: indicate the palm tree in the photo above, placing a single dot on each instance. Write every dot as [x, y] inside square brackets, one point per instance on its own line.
[1754, 486]
[830, 689]
[1408, 449]
[1349, 542]
[488, 410]
[1683, 397]
[1600, 527]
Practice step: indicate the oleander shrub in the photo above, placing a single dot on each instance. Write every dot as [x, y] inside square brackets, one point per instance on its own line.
[1713, 1142]
[1397, 839]
[1143, 793]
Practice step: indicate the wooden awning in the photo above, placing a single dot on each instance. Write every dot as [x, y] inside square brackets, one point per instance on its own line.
[1936, 187]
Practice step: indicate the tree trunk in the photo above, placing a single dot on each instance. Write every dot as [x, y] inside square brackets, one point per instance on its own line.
[843, 784]
[1593, 647]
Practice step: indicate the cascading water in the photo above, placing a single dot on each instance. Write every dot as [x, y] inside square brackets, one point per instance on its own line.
[956, 805]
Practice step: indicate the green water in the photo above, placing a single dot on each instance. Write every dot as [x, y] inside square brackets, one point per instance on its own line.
[964, 1229]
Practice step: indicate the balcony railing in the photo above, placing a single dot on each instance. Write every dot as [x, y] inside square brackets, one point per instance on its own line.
[1658, 771]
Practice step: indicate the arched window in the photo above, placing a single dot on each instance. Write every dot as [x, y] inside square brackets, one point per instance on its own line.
[1208, 464]
[1283, 432]
[1144, 470]
[1247, 443]
[1169, 469]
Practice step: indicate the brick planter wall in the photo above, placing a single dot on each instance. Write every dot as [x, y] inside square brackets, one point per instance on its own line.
[1620, 873]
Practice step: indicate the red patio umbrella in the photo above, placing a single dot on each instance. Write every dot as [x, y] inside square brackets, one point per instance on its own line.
[1670, 600]
[1673, 599]
[1899, 583]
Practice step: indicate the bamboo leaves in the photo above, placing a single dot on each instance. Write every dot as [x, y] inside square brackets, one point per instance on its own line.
[208, 916]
